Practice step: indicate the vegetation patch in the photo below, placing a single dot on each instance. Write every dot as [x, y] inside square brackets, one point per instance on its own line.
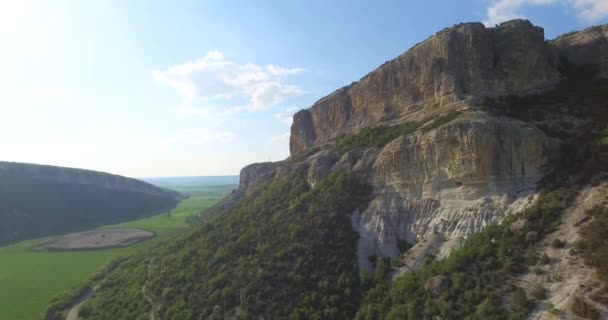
[583, 309]
[592, 244]
[379, 136]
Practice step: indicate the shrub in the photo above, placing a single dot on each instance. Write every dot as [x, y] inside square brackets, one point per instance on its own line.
[583, 309]
[552, 309]
[557, 243]
[519, 301]
[545, 259]
[403, 246]
[538, 293]
[580, 245]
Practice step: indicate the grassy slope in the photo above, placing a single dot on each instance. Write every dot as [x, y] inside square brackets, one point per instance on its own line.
[28, 280]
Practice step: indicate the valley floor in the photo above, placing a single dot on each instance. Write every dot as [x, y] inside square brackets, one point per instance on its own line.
[30, 279]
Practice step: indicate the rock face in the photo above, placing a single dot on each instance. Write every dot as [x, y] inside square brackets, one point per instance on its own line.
[434, 188]
[588, 47]
[468, 60]
[437, 188]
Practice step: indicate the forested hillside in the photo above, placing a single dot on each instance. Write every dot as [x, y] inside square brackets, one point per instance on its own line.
[42, 200]
[288, 252]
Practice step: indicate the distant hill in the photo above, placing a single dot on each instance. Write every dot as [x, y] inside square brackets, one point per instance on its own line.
[39, 200]
[170, 182]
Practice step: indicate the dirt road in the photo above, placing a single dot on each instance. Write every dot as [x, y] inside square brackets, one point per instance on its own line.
[73, 313]
[153, 306]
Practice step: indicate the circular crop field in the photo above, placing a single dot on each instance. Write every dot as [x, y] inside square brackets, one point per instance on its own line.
[96, 239]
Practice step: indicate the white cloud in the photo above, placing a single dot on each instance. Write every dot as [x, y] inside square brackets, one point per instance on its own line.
[280, 71]
[269, 94]
[503, 10]
[286, 116]
[284, 137]
[591, 10]
[215, 78]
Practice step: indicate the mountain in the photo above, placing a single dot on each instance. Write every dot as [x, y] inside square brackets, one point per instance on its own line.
[39, 200]
[464, 179]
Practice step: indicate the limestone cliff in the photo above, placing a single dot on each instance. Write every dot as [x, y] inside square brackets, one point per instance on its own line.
[438, 185]
[455, 65]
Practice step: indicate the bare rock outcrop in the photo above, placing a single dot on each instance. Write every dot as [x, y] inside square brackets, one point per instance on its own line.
[468, 60]
[451, 182]
[255, 175]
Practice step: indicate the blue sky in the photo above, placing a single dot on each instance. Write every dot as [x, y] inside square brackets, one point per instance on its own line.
[177, 88]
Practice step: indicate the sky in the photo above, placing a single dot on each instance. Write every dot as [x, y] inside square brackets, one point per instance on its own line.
[150, 88]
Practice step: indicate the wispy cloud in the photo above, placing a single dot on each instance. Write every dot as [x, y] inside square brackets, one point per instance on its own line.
[502, 10]
[212, 77]
[286, 116]
[591, 10]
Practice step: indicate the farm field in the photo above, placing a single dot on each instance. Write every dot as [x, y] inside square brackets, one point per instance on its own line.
[29, 279]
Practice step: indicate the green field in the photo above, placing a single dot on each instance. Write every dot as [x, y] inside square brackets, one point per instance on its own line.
[28, 279]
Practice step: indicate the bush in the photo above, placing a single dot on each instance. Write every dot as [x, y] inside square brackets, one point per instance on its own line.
[538, 293]
[403, 246]
[552, 309]
[592, 244]
[519, 300]
[545, 259]
[583, 309]
[580, 245]
[557, 243]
